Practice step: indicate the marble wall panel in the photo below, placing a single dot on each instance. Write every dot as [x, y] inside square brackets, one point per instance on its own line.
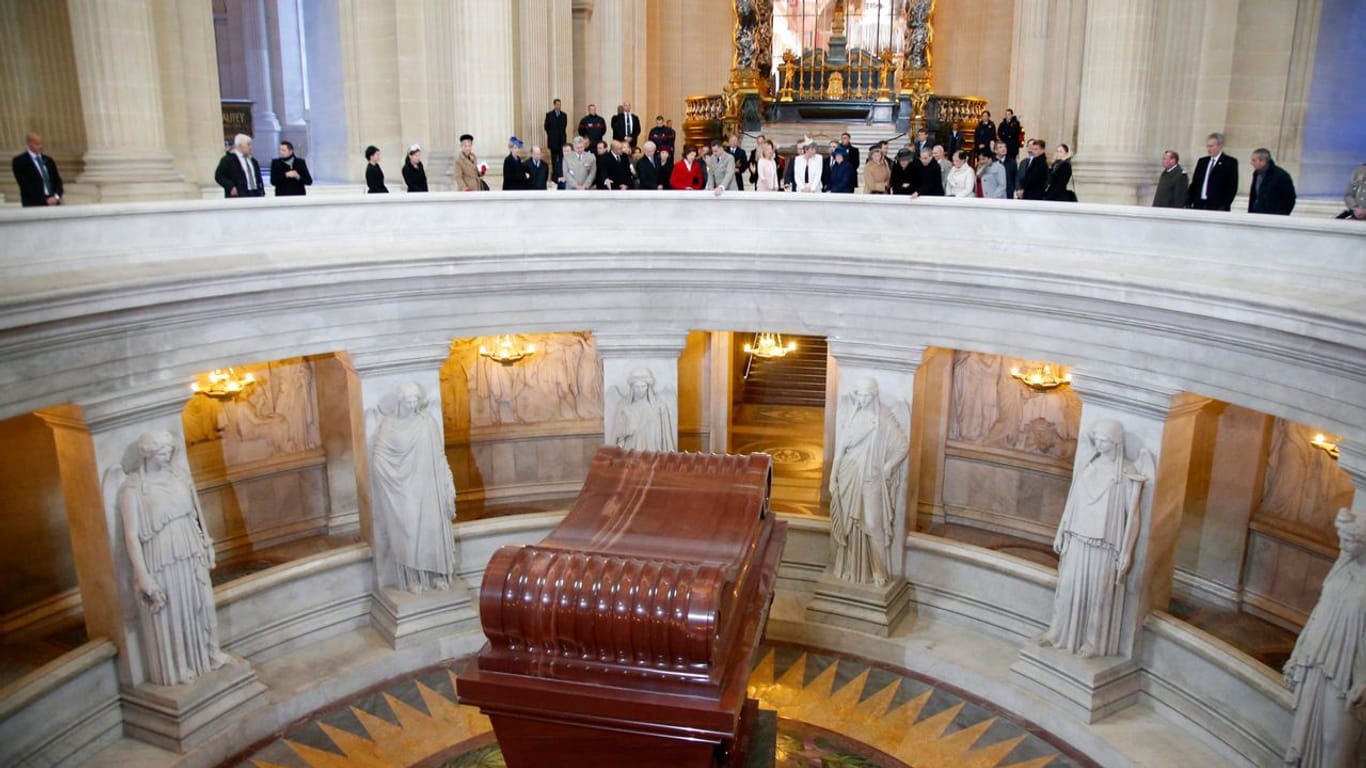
[35, 544]
[1282, 575]
[987, 491]
[267, 504]
[1305, 487]
[992, 409]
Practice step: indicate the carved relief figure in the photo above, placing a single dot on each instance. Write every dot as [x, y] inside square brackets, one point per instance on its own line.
[1303, 484]
[294, 400]
[867, 486]
[974, 395]
[643, 420]
[1095, 542]
[1327, 670]
[561, 382]
[413, 493]
[991, 408]
[171, 555]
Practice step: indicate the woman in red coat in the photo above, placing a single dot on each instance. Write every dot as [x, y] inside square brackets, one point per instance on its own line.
[687, 173]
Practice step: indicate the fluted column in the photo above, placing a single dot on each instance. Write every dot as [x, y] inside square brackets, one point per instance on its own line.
[191, 102]
[370, 68]
[485, 95]
[440, 143]
[546, 44]
[585, 56]
[257, 37]
[1113, 157]
[127, 156]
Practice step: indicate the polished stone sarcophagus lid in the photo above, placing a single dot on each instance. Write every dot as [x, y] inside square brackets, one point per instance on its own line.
[627, 635]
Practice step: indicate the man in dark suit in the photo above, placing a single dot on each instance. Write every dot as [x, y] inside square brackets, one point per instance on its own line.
[1215, 182]
[648, 170]
[1273, 191]
[1033, 176]
[922, 142]
[851, 153]
[36, 173]
[537, 170]
[985, 133]
[592, 127]
[741, 160]
[556, 123]
[1012, 168]
[1172, 185]
[615, 168]
[955, 142]
[238, 172]
[289, 173]
[515, 175]
[1012, 133]
[626, 126]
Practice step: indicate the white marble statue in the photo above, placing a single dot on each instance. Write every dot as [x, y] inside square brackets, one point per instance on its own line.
[1095, 542]
[867, 486]
[644, 421]
[413, 493]
[1327, 670]
[171, 555]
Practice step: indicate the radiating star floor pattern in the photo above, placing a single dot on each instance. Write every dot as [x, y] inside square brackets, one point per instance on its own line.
[832, 711]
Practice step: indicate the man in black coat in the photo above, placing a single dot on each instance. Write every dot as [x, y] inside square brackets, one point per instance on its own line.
[662, 135]
[1012, 133]
[289, 173]
[537, 170]
[238, 173]
[626, 126]
[36, 173]
[985, 133]
[1033, 177]
[955, 140]
[648, 169]
[1012, 168]
[1273, 191]
[556, 124]
[615, 168]
[1215, 181]
[592, 127]
[741, 160]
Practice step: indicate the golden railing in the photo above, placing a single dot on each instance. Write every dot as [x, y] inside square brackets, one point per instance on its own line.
[864, 77]
[702, 118]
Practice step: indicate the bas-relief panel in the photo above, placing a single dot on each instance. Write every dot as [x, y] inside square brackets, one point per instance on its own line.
[257, 460]
[1009, 456]
[1305, 487]
[526, 431]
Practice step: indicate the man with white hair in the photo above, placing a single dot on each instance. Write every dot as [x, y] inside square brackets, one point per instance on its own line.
[238, 172]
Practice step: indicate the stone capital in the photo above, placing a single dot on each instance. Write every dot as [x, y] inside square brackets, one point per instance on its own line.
[871, 354]
[1353, 461]
[1139, 393]
[415, 358]
[133, 406]
[640, 344]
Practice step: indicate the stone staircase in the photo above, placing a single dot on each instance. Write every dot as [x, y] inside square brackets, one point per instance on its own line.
[797, 379]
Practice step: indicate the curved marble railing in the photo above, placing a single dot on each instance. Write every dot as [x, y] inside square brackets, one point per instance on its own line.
[104, 305]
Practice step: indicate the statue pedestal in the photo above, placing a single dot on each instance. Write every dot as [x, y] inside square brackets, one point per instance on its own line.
[406, 618]
[861, 607]
[179, 717]
[1089, 689]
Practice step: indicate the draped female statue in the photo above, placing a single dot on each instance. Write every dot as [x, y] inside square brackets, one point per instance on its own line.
[1095, 542]
[867, 486]
[1327, 670]
[171, 555]
[643, 420]
[413, 493]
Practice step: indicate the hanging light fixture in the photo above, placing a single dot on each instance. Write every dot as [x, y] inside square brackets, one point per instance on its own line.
[504, 350]
[770, 345]
[1326, 444]
[224, 384]
[1042, 378]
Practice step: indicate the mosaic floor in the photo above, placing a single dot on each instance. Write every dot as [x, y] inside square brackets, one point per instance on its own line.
[793, 436]
[833, 712]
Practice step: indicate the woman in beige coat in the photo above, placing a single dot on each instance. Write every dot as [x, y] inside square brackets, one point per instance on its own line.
[877, 175]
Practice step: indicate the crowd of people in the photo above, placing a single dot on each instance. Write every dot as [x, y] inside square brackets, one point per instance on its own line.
[608, 154]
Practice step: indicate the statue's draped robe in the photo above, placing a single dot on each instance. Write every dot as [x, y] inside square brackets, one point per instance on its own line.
[868, 485]
[1101, 505]
[413, 498]
[645, 424]
[1328, 661]
[180, 639]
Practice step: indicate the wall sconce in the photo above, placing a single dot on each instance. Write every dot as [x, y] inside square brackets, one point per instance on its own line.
[224, 384]
[1326, 444]
[1041, 379]
[506, 351]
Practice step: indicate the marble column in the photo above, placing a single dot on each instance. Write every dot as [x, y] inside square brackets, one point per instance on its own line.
[627, 354]
[722, 390]
[585, 58]
[547, 66]
[441, 140]
[93, 441]
[874, 608]
[1113, 155]
[261, 61]
[1169, 437]
[485, 94]
[192, 105]
[288, 83]
[620, 44]
[127, 155]
[404, 618]
[370, 69]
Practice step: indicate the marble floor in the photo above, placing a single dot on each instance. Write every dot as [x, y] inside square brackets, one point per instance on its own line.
[795, 437]
[832, 711]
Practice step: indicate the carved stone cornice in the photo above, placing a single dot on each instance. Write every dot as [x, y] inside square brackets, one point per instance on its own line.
[648, 343]
[418, 358]
[1142, 394]
[879, 355]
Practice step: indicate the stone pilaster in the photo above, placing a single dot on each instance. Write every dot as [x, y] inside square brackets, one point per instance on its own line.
[370, 67]
[440, 142]
[1169, 435]
[485, 93]
[1114, 159]
[626, 354]
[127, 155]
[1353, 462]
[585, 57]
[872, 608]
[619, 74]
[722, 383]
[405, 618]
[341, 426]
[261, 61]
[929, 434]
[93, 443]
